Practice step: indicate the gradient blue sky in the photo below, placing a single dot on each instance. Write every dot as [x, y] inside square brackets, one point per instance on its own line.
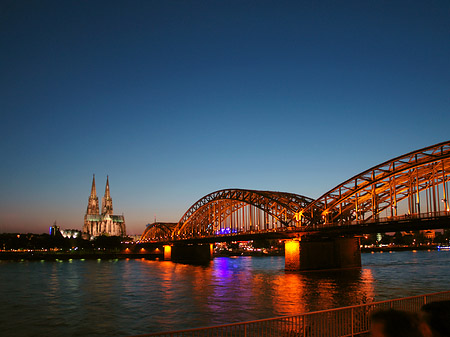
[176, 99]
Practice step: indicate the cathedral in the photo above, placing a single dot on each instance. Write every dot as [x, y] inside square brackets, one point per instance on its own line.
[96, 224]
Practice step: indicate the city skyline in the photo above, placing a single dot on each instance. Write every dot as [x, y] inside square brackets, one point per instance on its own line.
[176, 100]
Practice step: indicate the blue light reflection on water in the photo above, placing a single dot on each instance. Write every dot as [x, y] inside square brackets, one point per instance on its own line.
[125, 297]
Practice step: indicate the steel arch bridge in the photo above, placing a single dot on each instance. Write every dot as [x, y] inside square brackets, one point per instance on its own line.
[411, 186]
[231, 212]
[158, 231]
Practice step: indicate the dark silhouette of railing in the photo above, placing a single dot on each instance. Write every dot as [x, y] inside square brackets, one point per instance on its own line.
[340, 322]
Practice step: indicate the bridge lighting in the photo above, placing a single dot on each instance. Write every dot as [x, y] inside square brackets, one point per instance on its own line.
[241, 204]
[298, 216]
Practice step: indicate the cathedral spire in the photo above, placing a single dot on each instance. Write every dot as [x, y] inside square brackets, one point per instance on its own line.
[93, 191]
[107, 195]
[92, 207]
[107, 207]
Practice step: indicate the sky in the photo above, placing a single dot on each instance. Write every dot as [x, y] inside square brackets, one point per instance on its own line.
[176, 99]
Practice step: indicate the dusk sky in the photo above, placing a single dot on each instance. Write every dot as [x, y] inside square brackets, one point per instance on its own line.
[176, 99]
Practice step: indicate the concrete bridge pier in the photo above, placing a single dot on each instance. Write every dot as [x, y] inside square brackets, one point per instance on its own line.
[189, 253]
[323, 253]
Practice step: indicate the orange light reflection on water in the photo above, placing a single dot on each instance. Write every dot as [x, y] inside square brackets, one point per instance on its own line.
[234, 290]
[296, 293]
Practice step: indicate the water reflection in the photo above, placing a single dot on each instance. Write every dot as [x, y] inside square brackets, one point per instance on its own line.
[249, 288]
[130, 297]
[289, 292]
[303, 292]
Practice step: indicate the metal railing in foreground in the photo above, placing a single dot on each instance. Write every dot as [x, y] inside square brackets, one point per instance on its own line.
[340, 322]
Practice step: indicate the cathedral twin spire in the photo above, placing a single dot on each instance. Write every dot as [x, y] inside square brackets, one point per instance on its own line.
[107, 207]
[93, 207]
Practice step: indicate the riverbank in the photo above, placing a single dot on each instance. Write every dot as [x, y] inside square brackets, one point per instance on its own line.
[398, 248]
[54, 256]
[105, 254]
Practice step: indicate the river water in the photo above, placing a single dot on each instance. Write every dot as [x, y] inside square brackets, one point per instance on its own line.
[129, 297]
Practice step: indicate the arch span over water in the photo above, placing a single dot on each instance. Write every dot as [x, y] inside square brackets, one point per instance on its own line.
[237, 210]
[411, 185]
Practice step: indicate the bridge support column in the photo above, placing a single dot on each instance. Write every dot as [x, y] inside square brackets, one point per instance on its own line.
[196, 253]
[292, 255]
[322, 254]
[167, 253]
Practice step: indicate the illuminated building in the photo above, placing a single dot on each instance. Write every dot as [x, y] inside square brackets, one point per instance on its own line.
[70, 233]
[54, 230]
[429, 234]
[96, 224]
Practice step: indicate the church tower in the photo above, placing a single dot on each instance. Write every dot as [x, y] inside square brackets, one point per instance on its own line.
[92, 207]
[107, 207]
[106, 223]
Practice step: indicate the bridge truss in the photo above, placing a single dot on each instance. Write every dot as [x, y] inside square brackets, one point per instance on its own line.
[233, 211]
[407, 186]
[158, 231]
[413, 185]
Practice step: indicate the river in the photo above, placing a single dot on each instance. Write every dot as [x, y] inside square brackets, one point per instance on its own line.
[129, 297]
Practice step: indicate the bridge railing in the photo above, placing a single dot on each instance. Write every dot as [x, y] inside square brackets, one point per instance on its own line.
[340, 322]
[384, 220]
[406, 217]
[322, 226]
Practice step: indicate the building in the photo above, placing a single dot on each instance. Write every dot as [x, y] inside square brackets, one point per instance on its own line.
[54, 230]
[429, 234]
[96, 224]
[70, 233]
[65, 233]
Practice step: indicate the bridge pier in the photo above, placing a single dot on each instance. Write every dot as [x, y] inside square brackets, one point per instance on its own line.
[167, 253]
[188, 253]
[316, 254]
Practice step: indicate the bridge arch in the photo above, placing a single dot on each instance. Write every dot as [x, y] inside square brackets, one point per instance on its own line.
[418, 180]
[158, 231]
[232, 211]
